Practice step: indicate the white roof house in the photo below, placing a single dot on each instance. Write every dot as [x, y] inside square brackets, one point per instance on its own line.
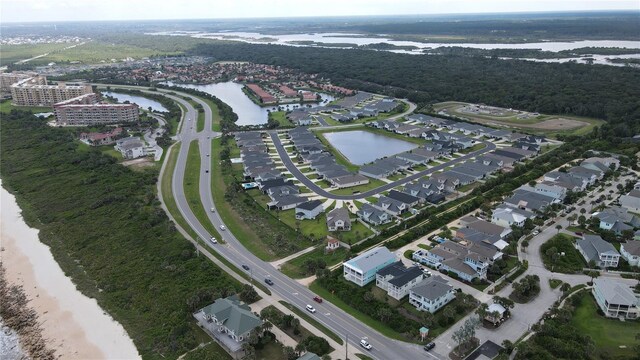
[616, 299]
[363, 268]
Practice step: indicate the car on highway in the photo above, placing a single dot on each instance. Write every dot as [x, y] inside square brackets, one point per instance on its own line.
[206, 171]
[223, 228]
[317, 299]
[213, 240]
[310, 309]
[365, 344]
[246, 267]
[429, 346]
[213, 209]
[268, 281]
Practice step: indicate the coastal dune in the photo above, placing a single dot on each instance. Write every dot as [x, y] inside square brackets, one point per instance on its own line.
[73, 325]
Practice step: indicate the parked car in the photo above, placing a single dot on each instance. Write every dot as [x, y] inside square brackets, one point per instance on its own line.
[536, 232]
[578, 233]
[245, 267]
[223, 228]
[268, 281]
[365, 344]
[317, 299]
[429, 346]
[311, 309]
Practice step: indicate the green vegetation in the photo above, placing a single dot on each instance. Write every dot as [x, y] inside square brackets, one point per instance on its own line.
[554, 283]
[373, 184]
[601, 92]
[210, 351]
[107, 231]
[526, 289]
[278, 119]
[551, 252]
[313, 322]
[307, 264]
[258, 230]
[200, 122]
[397, 320]
[6, 107]
[607, 334]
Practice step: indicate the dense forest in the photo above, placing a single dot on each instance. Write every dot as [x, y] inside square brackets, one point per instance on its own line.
[605, 92]
[106, 229]
[617, 27]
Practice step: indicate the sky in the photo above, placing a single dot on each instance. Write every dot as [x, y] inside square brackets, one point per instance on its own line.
[71, 10]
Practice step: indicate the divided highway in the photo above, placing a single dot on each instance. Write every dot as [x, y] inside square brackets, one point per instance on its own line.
[284, 288]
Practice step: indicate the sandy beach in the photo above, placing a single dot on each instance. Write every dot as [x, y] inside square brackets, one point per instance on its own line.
[73, 324]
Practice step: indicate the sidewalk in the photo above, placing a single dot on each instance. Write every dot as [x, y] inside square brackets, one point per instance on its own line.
[278, 263]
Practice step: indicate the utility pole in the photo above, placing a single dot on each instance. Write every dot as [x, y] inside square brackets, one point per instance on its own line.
[346, 348]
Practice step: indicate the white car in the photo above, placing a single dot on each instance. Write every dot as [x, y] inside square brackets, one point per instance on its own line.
[223, 228]
[365, 344]
[311, 309]
[213, 209]
[213, 240]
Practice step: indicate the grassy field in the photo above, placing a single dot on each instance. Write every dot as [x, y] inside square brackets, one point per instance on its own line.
[607, 334]
[281, 118]
[192, 189]
[549, 125]
[90, 52]
[294, 268]
[6, 107]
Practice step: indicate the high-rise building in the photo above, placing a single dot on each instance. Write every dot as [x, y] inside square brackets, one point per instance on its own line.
[34, 91]
[8, 79]
[85, 110]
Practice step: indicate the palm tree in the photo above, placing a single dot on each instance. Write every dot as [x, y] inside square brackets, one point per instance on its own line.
[558, 227]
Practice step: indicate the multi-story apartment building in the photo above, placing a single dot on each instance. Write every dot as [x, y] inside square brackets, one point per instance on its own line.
[397, 280]
[85, 110]
[431, 294]
[363, 268]
[8, 79]
[35, 92]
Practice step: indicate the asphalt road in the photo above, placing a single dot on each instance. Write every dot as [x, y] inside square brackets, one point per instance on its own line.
[285, 288]
[291, 167]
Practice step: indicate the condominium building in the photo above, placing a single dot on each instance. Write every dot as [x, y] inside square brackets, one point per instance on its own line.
[8, 79]
[616, 299]
[34, 91]
[363, 268]
[85, 110]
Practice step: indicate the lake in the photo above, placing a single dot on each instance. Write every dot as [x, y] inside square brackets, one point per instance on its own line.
[249, 113]
[143, 102]
[361, 147]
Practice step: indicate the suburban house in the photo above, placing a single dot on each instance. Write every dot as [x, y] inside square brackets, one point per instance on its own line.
[350, 180]
[617, 219]
[529, 200]
[363, 268]
[338, 220]
[130, 148]
[594, 248]
[507, 216]
[552, 190]
[308, 210]
[397, 280]
[484, 227]
[630, 251]
[616, 299]
[286, 202]
[495, 313]
[97, 139]
[230, 322]
[392, 206]
[601, 164]
[407, 199]
[431, 294]
[631, 201]
[468, 262]
[372, 215]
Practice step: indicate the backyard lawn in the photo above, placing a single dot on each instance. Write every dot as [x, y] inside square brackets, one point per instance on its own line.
[607, 334]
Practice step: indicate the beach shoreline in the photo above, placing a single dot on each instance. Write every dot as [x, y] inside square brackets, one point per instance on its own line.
[74, 325]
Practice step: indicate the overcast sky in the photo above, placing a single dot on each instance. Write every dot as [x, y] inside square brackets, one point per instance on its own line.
[66, 10]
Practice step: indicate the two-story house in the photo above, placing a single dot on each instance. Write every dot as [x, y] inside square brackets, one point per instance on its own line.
[431, 294]
[397, 280]
[594, 248]
[616, 299]
[630, 251]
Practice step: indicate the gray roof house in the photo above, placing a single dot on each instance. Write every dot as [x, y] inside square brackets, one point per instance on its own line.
[396, 279]
[349, 180]
[286, 202]
[308, 210]
[372, 215]
[630, 251]
[392, 206]
[338, 220]
[594, 248]
[309, 356]
[230, 321]
[431, 294]
[408, 199]
[631, 201]
[615, 299]
[376, 172]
